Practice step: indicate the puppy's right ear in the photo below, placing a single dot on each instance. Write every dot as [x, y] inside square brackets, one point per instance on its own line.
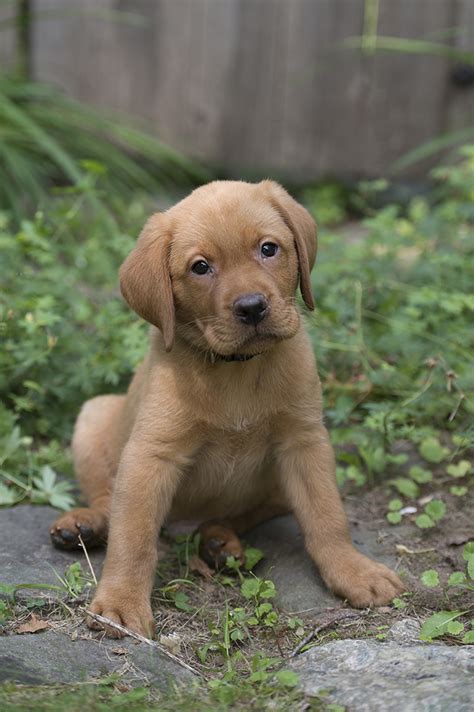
[145, 279]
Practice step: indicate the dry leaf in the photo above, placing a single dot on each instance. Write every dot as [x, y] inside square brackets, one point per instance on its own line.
[171, 642]
[33, 625]
[459, 538]
[119, 651]
[197, 564]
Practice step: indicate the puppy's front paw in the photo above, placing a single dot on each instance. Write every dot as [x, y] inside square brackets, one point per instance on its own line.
[361, 581]
[90, 524]
[124, 609]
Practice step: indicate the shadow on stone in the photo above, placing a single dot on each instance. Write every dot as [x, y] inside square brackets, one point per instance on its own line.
[299, 586]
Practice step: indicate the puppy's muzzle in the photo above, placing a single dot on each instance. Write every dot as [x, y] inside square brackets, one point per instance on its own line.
[250, 308]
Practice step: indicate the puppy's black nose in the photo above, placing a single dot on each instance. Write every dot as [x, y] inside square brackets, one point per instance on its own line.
[250, 308]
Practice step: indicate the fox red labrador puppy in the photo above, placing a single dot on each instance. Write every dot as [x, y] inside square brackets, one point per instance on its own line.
[223, 420]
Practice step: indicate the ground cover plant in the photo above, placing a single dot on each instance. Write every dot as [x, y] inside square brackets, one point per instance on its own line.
[394, 340]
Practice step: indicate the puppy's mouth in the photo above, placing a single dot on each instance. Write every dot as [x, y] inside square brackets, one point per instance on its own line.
[259, 336]
[257, 340]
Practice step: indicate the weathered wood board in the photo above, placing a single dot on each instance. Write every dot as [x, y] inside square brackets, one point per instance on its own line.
[261, 86]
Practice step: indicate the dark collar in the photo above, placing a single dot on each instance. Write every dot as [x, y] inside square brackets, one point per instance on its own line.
[216, 358]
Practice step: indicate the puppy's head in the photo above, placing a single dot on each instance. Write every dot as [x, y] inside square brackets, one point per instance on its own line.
[221, 268]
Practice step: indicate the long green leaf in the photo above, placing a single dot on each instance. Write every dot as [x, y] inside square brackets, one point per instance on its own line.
[430, 148]
[404, 45]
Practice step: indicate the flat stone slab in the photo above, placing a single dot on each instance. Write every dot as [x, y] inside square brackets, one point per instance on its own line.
[368, 676]
[27, 556]
[50, 657]
[26, 553]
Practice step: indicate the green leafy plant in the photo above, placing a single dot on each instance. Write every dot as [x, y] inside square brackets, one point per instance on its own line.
[399, 603]
[173, 592]
[460, 469]
[433, 512]
[46, 136]
[252, 556]
[442, 623]
[328, 202]
[238, 622]
[394, 515]
[58, 313]
[432, 450]
[8, 591]
[40, 488]
[389, 376]
[259, 591]
[185, 546]
[48, 489]
[264, 682]
[420, 474]
[447, 622]
[75, 581]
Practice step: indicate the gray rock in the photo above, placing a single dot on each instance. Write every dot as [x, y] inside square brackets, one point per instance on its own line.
[368, 676]
[50, 657]
[406, 631]
[27, 555]
[299, 586]
[287, 562]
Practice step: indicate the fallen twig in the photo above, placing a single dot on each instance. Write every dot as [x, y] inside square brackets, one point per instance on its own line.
[321, 627]
[87, 559]
[142, 639]
[402, 549]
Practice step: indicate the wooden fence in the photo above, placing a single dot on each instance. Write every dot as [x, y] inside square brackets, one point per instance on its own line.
[261, 86]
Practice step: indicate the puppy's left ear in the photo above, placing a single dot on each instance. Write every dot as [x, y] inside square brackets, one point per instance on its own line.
[303, 227]
[145, 279]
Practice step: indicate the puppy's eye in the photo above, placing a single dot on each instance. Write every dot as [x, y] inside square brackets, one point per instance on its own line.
[269, 249]
[200, 267]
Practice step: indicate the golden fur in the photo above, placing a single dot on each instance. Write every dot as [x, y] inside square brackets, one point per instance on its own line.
[199, 437]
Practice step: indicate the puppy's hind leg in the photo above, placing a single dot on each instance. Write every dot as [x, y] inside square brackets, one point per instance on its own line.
[96, 453]
[220, 538]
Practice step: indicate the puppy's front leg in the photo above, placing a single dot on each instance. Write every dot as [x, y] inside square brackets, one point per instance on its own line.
[146, 483]
[307, 471]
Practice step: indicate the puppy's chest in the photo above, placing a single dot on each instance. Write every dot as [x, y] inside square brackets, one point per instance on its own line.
[244, 407]
[234, 452]
[228, 474]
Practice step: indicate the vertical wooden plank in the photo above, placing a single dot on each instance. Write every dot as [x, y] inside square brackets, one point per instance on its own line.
[460, 99]
[408, 91]
[320, 109]
[323, 88]
[7, 36]
[93, 55]
[169, 70]
[262, 86]
[195, 41]
[250, 126]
